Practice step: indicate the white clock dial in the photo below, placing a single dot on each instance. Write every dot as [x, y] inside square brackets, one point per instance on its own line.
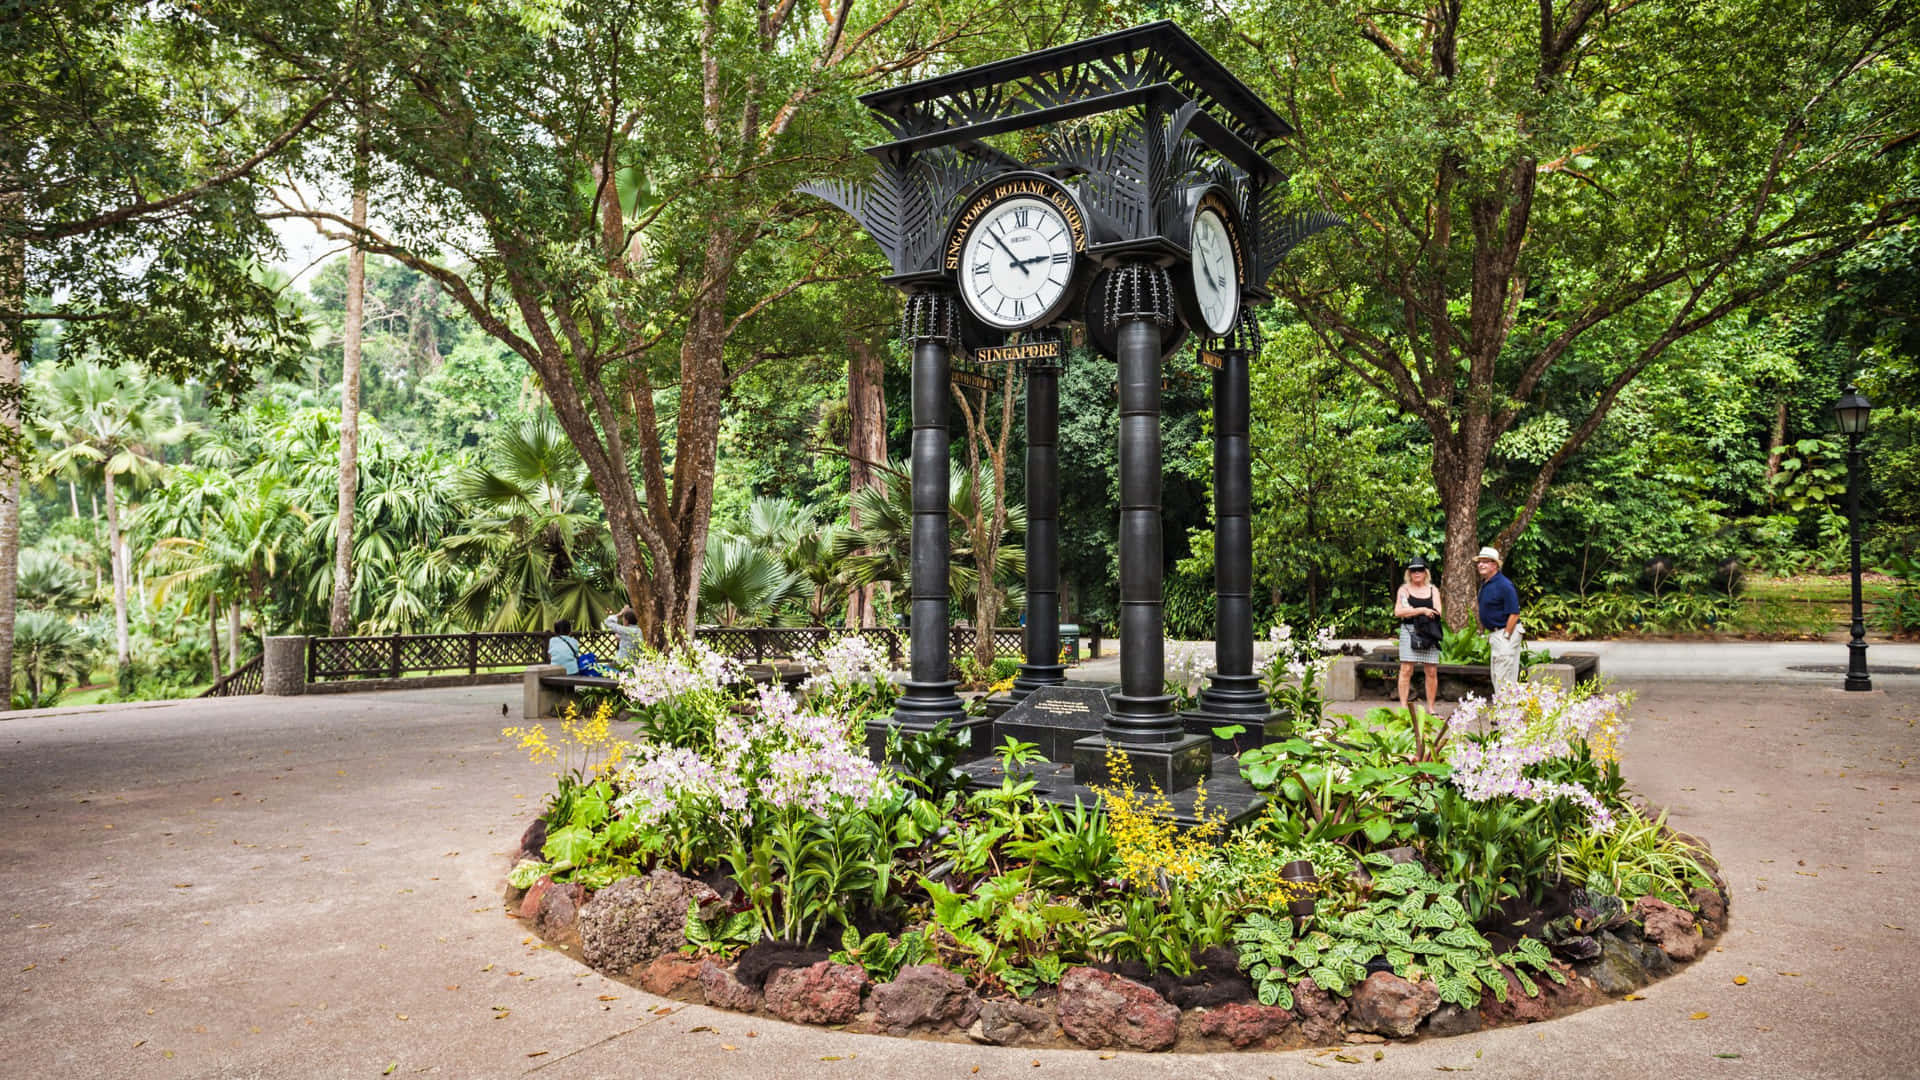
[1216, 282]
[1016, 263]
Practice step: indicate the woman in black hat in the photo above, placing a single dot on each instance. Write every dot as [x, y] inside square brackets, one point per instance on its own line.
[1417, 605]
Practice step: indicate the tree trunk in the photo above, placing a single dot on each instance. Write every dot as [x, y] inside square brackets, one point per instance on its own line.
[213, 637]
[1460, 500]
[703, 381]
[13, 284]
[123, 646]
[866, 448]
[233, 631]
[73, 500]
[1778, 445]
[340, 616]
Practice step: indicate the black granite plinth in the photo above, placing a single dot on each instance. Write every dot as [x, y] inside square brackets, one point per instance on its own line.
[1257, 730]
[1170, 766]
[1054, 718]
[977, 730]
[1227, 794]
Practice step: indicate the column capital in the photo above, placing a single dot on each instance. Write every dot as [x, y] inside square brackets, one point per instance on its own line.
[931, 317]
[1139, 290]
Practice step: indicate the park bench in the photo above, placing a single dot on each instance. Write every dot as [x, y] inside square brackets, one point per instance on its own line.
[548, 686]
[1377, 675]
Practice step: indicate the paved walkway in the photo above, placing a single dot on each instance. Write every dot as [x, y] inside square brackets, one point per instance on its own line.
[310, 888]
[1773, 661]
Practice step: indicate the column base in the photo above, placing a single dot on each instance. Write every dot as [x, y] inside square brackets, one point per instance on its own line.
[1032, 677]
[1234, 695]
[1171, 766]
[976, 733]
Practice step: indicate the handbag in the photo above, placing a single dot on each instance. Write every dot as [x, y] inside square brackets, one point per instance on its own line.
[1425, 637]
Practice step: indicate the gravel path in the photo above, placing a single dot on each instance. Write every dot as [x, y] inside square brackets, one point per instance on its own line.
[310, 887]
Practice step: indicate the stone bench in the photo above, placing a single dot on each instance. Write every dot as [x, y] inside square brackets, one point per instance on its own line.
[1377, 676]
[547, 687]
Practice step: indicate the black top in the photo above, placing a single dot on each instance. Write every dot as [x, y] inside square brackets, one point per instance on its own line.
[1416, 601]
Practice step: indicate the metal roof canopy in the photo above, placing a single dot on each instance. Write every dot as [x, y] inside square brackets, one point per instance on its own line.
[1160, 64]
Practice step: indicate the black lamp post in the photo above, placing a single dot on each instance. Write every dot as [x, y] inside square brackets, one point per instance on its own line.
[1851, 411]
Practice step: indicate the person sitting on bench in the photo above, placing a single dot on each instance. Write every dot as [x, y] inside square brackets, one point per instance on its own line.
[563, 650]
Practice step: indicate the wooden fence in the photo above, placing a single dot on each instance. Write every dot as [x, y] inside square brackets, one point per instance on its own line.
[396, 655]
[244, 679]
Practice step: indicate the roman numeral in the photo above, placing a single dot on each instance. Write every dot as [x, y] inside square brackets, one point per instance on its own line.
[982, 268]
[1060, 258]
[1020, 217]
[1019, 309]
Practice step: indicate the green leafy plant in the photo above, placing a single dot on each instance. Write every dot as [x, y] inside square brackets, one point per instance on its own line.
[722, 936]
[881, 955]
[1413, 921]
[1071, 848]
[929, 762]
[1467, 645]
[1492, 850]
[1638, 857]
[1166, 930]
[1005, 929]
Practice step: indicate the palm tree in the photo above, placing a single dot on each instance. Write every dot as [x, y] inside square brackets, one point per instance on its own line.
[234, 553]
[886, 531]
[742, 582]
[114, 422]
[535, 544]
[48, 581]
[49, 648]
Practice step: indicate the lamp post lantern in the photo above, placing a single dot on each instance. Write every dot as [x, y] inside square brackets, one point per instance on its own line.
[1851, 412]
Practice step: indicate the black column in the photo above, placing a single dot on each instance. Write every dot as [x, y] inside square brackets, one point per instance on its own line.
[1042, 638]
[1233, 693]
[1857, 676]
[1142, 724]
[931, 327]
[1141, 712]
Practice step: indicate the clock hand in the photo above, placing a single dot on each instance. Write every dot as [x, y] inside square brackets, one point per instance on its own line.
[1042, 257]
[1015, 259]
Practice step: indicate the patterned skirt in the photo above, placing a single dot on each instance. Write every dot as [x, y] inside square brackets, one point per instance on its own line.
[1411, 655]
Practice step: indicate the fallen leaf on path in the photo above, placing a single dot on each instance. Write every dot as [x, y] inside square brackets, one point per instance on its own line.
[702, 1027]
[538, 1053]
[1348, 1058]
[139, 1044]
[1739, 980]
[730, 1046]
[1108, 1057]
[614, 997]
[1788, 974]
[388, 1071]
[1635, 997]
[1698, 1016]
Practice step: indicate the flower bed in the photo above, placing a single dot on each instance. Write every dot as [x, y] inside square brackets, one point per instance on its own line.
[1407, 878]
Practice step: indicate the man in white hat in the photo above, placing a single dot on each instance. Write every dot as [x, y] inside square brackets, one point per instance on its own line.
[1499, 617]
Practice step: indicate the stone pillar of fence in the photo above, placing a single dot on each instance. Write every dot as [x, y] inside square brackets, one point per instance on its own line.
[283, 666]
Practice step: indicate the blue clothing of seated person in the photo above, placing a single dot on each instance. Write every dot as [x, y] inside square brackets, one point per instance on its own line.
[563, 649]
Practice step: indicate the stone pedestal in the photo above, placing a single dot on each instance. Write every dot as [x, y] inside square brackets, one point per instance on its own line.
[1557, 673]
[283, 666]
[538, 702]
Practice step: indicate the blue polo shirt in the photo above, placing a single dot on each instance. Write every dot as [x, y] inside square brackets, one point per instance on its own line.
[1498, 599]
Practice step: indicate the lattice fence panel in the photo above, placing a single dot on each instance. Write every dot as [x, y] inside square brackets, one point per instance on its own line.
[510, 650]
[436, 652]
[336, 658]
[728, 641]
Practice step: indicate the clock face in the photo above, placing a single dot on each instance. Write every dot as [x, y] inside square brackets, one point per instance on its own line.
[1016, 263]
[1216, 278]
